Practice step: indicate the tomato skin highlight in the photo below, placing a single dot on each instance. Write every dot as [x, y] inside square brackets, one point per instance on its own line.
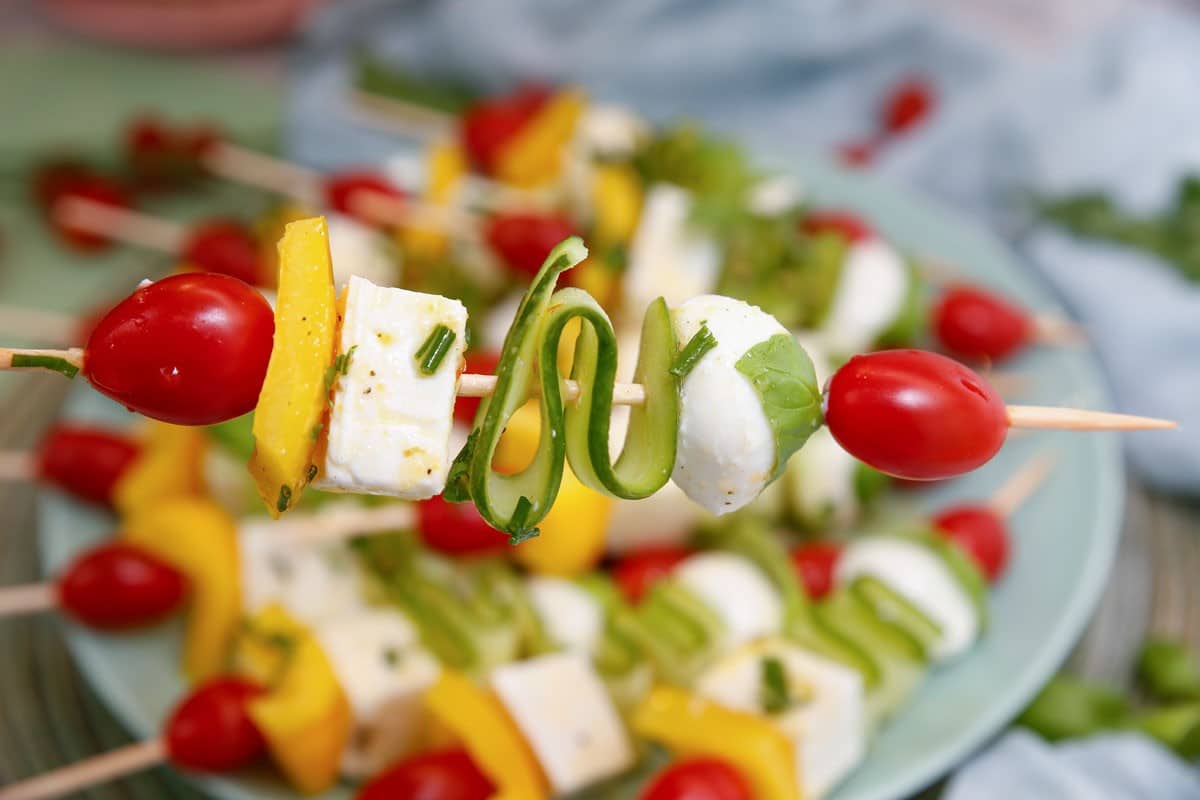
[488, 125]
[191, 349]
[978, 325]
[523, 240]
[816, 565]
[456, 528]
[913, 414]
[117, 587]
[437, 775]
[83, 461]
[341, 187]
[225, 247]
[638, 570]
[847, 224]
[981, 532]
[698, 779]
[211, 730]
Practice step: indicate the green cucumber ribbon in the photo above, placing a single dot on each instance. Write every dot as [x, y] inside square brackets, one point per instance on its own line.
[578, 430]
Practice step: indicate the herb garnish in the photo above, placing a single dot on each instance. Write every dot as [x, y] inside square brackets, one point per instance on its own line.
[773, 693]
[517, 532]
[315, 433]
[340, 366]
[696, 348]
[285, 499]
[437, 344]
[59, 365]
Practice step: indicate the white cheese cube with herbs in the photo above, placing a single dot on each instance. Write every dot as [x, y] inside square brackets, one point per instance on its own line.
[389, 426]
[817, 703]
[565, 713]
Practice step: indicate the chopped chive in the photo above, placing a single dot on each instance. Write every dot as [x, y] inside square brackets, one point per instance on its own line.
[340, 366]
[435, 348]
[312, 473]
[517, 532]
[693, 351]
[59, 365]
[285, 499]
[315, 433]
[774, 694]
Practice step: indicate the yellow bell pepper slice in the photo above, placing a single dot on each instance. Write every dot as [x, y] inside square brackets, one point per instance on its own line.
[534, 155]
[294, 398]
[488, 733]
[305, 716]
[617, 198]
[572, 534]
[170, 464]
[446, 165]
[198, 538]
[691, 725]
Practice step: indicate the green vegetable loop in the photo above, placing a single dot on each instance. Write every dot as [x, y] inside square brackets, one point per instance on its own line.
[579, 430]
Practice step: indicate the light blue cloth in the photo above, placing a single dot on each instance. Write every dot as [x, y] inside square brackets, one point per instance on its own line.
[1119, 111]
[1108, 767]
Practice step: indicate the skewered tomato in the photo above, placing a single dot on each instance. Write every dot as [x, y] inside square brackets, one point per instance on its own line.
[490, 124]
[974, 324]
[160, 154]
[54, 177]
[523, 240]
[914, 415]
[637, 571]
[698, 779]
[211, 731]
[816, 563]
[846, 223]
[341, 187]
[482, 362]
[98, 189]
[118, 586]
[190, 349]
[981, 532]
[456, 528]
[84, 461]
[440, 775]
[908, 104]
[226, 247]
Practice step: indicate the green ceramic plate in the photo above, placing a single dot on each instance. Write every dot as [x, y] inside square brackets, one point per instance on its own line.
[1065, 540]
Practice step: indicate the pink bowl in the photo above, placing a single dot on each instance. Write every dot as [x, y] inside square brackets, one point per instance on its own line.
[180, 24]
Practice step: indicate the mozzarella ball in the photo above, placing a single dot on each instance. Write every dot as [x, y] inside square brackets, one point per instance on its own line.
[737, 591]
[726, 449]
[570, 615]
[359, 250]
[870, 295]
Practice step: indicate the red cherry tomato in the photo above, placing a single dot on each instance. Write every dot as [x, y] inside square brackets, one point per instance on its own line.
[981, 532]
[975, 324]
[483, 362]
[99, 190]
[341, 187]
[117, 586]
[198, 140]
[190, 349]
[439, 775]
[638, 570]
[523, 240]
[846, 223]
[86, 462]
[226, 247]
[150, 150]
[54, 177]
[908, 104]
[856, 154]
[487, 126]
[456, 528]
[698, 779]
[816, 564]
[915, 415]
[211, 730]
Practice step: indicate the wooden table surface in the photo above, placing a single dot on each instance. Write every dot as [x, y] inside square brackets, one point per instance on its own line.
[49, 717]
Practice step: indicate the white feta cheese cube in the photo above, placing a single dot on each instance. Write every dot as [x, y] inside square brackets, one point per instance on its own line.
[826, 724]
[571, 616]
[389, 427]
[563, 710]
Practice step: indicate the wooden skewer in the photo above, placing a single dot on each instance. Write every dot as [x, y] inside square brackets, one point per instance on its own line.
[396, 116]
[634, 394]
[1054, 331]
[89, 772]
[123, 224]
[1021, 485]
[345, 521]
[28, 599]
